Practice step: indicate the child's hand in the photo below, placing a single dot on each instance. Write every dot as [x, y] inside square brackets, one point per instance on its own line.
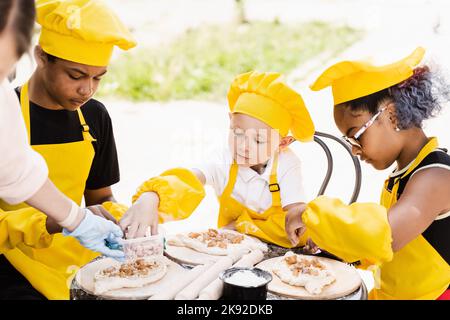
[141, 216]
[100, 211]
[230, 226]
[311, 247]
[294, 225]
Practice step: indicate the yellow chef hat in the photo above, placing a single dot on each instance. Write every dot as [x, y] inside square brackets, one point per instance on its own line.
[350, 80]
[267, 98]
[82, 31]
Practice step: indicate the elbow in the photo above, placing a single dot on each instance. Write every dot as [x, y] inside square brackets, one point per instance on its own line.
[398, 244]
[396, 247]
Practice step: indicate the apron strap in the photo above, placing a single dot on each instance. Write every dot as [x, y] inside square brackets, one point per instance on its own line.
[425, 151]
[231, 180]
[86, 134]
[25, 106]
[274, 187]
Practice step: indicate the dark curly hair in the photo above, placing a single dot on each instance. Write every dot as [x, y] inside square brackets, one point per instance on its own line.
[20, 15]
[416, 99]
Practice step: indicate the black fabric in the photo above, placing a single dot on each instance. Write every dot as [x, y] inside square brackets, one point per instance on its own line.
[437, 234]
[63, 126]
[14, 286]
[433, 158]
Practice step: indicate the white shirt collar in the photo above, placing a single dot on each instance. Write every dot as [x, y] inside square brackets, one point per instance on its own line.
[248, 174]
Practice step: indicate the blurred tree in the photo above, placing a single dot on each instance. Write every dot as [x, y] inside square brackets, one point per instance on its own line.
[240, 12]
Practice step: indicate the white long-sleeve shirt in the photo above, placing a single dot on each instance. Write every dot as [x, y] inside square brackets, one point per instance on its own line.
[22, 170]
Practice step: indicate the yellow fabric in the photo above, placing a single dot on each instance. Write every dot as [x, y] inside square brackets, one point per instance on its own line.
[82, 31]
[49, 270]
[23, 227]
[351, 232]
[117, 210]
[179, 191]
[417, 271]
[267, 98]
[350, 80]
[268, 226]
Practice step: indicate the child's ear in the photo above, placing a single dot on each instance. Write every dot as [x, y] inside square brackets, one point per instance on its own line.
[392, 114]
[286, 141]
[40, 56]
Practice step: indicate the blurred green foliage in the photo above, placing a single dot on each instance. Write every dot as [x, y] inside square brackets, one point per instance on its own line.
[201, 63]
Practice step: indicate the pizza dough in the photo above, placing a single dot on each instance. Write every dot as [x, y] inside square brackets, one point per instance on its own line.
[216, 242]
[304, 271]
[131, 274]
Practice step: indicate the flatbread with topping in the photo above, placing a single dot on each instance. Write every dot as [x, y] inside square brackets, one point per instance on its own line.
[216, 242]
[131, 274]
[304, 271]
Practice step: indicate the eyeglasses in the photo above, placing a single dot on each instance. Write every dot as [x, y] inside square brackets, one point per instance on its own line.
[353, 141]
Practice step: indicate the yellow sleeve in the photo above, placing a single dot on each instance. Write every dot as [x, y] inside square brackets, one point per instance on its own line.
[24, 226]
[117, 210]
[179, 191]
[271, 230]
[359, 231]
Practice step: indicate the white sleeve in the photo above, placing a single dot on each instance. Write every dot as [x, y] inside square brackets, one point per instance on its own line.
[216, 170]
[22, 170]
[291, 182]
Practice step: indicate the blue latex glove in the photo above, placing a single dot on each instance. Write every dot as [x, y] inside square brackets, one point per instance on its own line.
[92, 233]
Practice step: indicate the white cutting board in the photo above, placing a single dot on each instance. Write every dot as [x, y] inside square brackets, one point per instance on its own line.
[85, 280]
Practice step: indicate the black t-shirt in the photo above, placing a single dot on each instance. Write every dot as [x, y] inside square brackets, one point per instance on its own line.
[63, 126]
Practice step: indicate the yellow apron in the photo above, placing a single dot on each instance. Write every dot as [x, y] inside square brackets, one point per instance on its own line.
[417, 271]
[49, 270]
[269, 225]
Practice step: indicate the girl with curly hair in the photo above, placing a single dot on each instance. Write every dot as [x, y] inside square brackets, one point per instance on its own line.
[380, 111]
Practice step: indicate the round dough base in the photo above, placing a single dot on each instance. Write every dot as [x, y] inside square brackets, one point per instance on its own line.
[347, 281]
[188, 256]
[85, 280]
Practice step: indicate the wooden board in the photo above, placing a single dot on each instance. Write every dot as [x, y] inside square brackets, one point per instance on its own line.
[192, 257]
[347, 281]
[85, 280]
